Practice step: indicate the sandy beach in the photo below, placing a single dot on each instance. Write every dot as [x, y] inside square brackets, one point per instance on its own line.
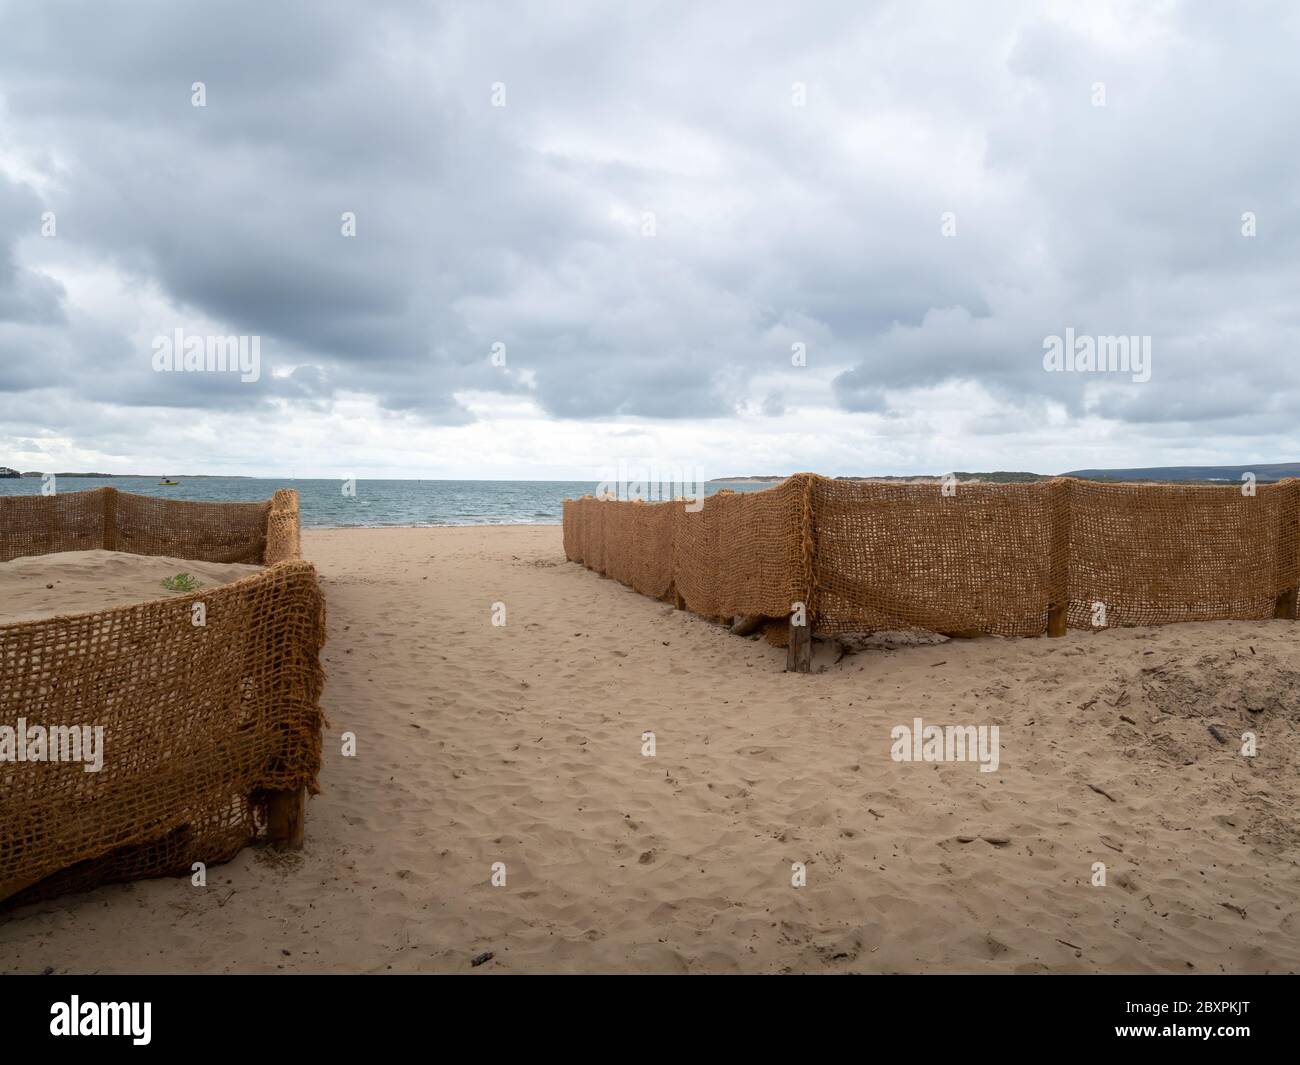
[523, 744]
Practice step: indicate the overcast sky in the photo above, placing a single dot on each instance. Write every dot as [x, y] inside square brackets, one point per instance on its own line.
[671, 198]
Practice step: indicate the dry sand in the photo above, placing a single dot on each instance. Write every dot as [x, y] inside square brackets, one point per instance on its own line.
[79, 582]
[522, 744]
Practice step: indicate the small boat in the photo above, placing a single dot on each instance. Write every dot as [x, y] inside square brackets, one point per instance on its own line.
[164, 483]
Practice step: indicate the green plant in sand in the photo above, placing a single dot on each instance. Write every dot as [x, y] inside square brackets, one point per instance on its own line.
[182, 582]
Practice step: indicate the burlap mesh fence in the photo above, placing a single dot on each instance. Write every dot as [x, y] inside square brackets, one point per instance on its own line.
[898, 556]
[141, 525]
[282, 528]
[201, 722]
[980, 558]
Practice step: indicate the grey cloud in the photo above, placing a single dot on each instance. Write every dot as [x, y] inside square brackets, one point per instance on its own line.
[26, 295]
[772, 224]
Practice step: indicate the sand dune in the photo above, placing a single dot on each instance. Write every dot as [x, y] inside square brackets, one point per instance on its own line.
[522, 744]
[79, 582]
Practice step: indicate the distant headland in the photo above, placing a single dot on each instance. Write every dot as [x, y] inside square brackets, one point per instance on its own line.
[5, 471]
[1263, 472]
[1000, 476]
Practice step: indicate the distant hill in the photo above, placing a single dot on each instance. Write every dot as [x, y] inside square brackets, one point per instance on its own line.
[1263, 471]
[36, 473]
[998, 476]
[762, 478]
[1002, 476]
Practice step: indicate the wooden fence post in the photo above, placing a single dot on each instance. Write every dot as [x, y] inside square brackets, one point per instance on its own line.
[109, 537]
[798, 657]
[1287, 546]
[1285, 605]
[1059, 558]
[285, 818]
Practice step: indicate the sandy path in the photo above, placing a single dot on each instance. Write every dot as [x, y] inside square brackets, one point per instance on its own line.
[522, 744]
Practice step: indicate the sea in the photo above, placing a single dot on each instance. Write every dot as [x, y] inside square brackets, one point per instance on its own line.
[375, 503]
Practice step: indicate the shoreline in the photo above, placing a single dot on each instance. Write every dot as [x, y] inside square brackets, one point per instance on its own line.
[557, 523]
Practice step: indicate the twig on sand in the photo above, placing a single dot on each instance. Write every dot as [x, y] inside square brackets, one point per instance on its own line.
[1103, 791]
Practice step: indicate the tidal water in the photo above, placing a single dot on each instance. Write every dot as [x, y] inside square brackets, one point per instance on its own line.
[324, 503]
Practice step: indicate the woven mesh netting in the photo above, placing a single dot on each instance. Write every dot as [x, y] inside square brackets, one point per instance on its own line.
[980, 558]
[199, 722]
